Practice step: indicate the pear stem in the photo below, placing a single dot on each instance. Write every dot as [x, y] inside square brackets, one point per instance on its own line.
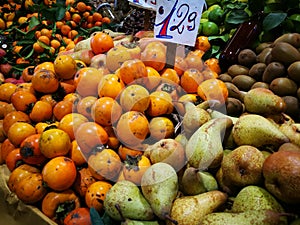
[120, 212]
[168, 217]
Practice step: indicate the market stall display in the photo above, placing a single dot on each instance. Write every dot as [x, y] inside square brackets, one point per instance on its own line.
[103, 121]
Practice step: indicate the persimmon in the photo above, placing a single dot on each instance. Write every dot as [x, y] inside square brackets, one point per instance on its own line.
[194, 61]
[113, 141]
[6, 148]
[14, 159]
[70, 123]
[65, 66]
[27, 73]
[41, 111]
[12, 117]
[190, 80]
[86, 81]
[22, 100]
[153, 78]
[135, 97]
[170, 87]
[2, 108]
[62, 108]
[135, 167]
[6, 90]
[49, 98]
[83, 180]
[18, 131]
[96, 193]
[44, 65]
[110, 86]
[132, 70]
[106, 111]
[57, 204]
[84, 106]
[45, 81]
[59, 173]
[54, 142]
[202, 43]
[124, 151]
[89, 136]
[30, 150]
[213, 64]
[161, 127]
[105, 164]
[76, 155]
[155, 55]
[79, 215]
[101, 43]
[160, 103]
[170, 74]
[213, 89]
[132, 128]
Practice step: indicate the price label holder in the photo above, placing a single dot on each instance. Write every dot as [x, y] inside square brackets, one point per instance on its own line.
[176, 22]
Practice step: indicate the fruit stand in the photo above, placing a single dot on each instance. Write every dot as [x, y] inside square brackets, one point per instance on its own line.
[150, 112]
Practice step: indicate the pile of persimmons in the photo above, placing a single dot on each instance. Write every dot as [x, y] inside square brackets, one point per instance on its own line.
[72, 129]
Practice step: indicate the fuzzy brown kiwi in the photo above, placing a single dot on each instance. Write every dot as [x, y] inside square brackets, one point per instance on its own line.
[247, 57]
[256, 71]
[283, 86]
[243, 82]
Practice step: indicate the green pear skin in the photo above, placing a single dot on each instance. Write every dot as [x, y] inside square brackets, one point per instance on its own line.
[195, 182]
[189, 210]
[263, 101]
[193, 118]
[137, 222]
[130, 200]
[204, 148]
[160, 187]
[258, 131]
[255, 198]
[243, 166]
[253, 217]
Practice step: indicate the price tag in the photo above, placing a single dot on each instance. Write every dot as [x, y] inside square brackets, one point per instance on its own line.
[178, 21]
[144, 4]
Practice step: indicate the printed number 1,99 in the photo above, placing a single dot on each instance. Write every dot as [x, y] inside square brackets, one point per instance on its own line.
[180, 18]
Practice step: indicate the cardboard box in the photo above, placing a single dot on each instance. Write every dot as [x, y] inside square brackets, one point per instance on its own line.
[15, 212]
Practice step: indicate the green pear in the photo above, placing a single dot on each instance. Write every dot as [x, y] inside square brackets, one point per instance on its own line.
[251, 217]
[255, 198]
[193, 118]
[159, 186]
[139, 222]
[125, 200]
[258, 131]
[263, 101]
[195, 182]
[167, 150]
[292, 132]
[189, 210]
[243, 166]
[204, 148]
[182, 139]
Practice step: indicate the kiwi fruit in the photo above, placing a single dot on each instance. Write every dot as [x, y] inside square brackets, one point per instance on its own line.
[294, 71]
[233, 91]
[285, 53]
[237, 69]
[247, 57]
[234, 107]
[243, 82]
[256, 71]
[262, 46]
[272, 71]
[260, 84]
[291, 38]
[292, 106]
[225, 77]
[264, 56]
[283, 86]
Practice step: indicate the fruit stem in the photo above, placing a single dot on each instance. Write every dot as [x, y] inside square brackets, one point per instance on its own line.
[168, 217]
[120, 212]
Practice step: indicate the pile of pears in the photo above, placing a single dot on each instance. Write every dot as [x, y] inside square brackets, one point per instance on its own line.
[235, 163]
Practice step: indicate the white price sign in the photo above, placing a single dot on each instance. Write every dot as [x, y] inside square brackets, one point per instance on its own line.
[145, 4]
[178, 21]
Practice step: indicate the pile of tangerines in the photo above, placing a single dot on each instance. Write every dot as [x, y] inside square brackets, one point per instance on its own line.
[36, 31]
[72, 129]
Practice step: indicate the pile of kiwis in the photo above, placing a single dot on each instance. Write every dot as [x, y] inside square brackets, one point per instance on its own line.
[272, 65]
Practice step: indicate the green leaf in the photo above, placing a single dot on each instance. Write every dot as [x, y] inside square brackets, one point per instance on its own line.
[273, 20]
[237, 17]
[60, 13]
[33, 22]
